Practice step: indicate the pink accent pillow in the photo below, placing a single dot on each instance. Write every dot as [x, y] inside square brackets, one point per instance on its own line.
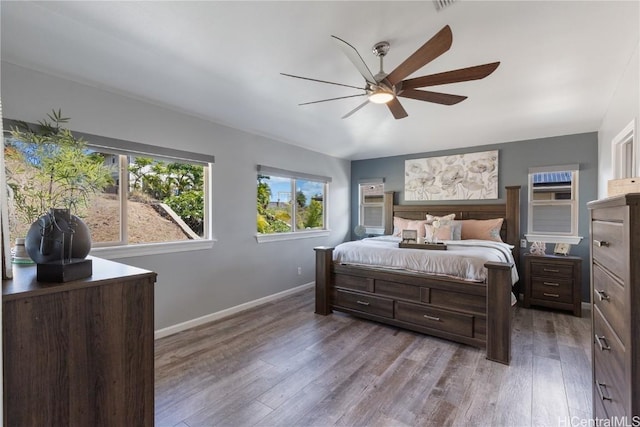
[444, 232]
[400, 224]
[483, 229]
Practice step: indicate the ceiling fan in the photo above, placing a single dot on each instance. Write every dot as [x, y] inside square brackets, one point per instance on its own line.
[384, 88]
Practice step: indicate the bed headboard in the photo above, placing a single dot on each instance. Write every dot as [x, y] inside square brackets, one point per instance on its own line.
[509, 210]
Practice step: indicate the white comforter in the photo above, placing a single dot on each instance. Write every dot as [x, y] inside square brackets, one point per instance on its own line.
[463, 259]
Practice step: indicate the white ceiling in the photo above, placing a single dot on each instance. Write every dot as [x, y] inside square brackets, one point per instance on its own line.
[560, 64]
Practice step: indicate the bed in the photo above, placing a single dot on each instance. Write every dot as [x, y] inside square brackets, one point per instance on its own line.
[475, 311]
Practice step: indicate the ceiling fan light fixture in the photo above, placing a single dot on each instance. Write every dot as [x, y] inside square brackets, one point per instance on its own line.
[380, 97]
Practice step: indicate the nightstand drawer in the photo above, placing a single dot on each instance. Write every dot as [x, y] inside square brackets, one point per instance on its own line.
[560, 290]
[552, 269]
[365, 303]
[553, 281]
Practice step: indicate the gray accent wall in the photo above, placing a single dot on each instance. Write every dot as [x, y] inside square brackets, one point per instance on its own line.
[237, 269]
[515, 159]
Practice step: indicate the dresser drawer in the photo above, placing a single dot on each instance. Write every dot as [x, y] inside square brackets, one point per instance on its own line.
[608, 296]
[365, 303]
[598, 407]
[559, 290]
[608, 367]
[556, 270]
[447, 321]
[607, 242]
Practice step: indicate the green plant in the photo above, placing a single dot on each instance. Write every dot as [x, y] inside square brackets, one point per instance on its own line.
[51, 168]
[189, 205]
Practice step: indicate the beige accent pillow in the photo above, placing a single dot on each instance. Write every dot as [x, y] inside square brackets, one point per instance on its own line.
[444, 232]
[483, 229]
[443, 219]
[400, 224]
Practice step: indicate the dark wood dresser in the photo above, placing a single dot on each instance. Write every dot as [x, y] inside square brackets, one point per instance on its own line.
[615, 294]
[553, 281]
[79, 353]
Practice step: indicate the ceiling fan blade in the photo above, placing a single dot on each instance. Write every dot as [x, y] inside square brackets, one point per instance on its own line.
[454, 76]
[436, 97]
[355, 109]
[355, 59]
[321, 81]
[333, 99]
[397, 109]
[436, 46]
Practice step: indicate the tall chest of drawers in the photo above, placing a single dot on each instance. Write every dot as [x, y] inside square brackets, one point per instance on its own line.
[615, 296]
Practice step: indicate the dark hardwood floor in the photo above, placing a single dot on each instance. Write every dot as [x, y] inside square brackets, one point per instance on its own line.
[282, 365]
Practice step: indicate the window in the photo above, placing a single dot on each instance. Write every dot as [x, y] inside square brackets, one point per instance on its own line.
[290, 203]
[146, 194]
[371, 201]
[624, 153]
[553, 204]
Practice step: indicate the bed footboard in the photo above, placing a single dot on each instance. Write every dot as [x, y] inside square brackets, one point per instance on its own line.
[324, 258]
[499, 312]
[497, 301]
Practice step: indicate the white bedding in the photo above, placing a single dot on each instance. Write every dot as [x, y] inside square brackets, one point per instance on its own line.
[463, 259]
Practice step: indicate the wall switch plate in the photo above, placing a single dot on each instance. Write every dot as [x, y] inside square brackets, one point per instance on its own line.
[299, 271]
[523, 243]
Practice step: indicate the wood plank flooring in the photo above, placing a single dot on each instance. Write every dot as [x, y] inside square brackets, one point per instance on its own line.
[282, 365]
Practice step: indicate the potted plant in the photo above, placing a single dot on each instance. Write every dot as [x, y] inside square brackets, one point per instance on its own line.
[51, 176]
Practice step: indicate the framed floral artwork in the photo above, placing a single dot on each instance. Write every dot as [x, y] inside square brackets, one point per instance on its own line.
[456, 177]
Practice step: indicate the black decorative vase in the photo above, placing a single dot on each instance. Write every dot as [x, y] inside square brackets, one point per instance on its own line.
[58, 242]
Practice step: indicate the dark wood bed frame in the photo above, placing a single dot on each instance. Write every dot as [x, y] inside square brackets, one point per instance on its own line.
[477, 314]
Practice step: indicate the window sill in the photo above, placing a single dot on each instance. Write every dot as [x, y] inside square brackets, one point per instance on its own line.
[277, 237]
[552, 238]
[115, 252]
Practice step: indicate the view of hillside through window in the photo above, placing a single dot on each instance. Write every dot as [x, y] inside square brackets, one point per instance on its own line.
[164, 199]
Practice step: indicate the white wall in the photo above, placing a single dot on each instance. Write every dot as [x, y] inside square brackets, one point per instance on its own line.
[237, 269]
[624, 107]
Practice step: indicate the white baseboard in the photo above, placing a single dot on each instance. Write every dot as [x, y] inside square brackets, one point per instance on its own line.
[170, 330]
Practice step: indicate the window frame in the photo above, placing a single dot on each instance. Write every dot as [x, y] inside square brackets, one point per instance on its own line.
[294, 176]
[621, 144]
[362, 204]
[571, 237]
[123, 148]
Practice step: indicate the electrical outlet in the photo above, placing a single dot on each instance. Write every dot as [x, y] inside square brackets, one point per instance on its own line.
[523, 243]
[299, 271]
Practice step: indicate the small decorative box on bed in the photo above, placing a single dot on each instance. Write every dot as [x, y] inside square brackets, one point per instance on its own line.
[473, 310]
[441, 246]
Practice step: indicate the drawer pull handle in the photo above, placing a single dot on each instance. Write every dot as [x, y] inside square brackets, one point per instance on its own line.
[435, 319]
[602, 295]
[551, 295]
[602, 396]
[551, 284]
[362, 302]
[551, 270]
[602, 343]
[601, 243]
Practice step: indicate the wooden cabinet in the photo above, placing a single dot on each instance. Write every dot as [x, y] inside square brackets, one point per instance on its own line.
[553, 281]
[615, 296]
[79, 353]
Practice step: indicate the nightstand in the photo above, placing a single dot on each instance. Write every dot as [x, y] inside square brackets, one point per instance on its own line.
[553, 281]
